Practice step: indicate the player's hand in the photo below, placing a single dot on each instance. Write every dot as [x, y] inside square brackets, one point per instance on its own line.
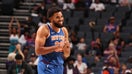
[66, 49]
[66, 45]
[59, 46]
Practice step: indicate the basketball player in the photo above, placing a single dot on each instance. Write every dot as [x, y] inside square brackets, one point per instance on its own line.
[51, 44]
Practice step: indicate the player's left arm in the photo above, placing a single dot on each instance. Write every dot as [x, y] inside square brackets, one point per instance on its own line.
[66, 48]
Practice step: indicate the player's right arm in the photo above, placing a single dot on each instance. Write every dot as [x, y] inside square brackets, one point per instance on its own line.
[41, 36]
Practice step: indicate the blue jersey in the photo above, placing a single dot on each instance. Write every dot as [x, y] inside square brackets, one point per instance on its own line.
[55, 58]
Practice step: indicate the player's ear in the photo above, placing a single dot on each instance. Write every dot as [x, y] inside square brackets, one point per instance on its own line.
[50, 18]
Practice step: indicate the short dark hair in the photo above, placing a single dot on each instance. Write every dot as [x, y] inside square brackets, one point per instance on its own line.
[18, 57]
[53, 10]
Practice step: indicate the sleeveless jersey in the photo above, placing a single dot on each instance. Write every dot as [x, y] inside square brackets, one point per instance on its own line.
[55, 58]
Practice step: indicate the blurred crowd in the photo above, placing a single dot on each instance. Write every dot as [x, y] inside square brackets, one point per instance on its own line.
[84, 56]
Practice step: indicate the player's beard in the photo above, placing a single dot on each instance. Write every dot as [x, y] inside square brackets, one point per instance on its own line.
[58, 25]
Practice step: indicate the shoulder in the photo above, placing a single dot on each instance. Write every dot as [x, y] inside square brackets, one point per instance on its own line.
[64, 29]
[43, 27]
[43, 30]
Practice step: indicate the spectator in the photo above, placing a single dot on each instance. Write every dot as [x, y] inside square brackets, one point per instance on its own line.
[82, 67]
[129, 42]
[123, 69]
[82, 45]
[38, 12]
[70, 68]
[68, 5]
[130, 2]
[23, 28]
[114, 2]
[32, 59]
[112, 59]
[30, 25]
[26, 53]
[88, 3]
[129, 60]
[41, 9]
[27, 36]
[19, 67]
[10, 59]
[17, 50]
[97, 46]
[128, 71]
[117, 35]
[97, 6]
[119, 43]
[72, 47]
[26, 25]
[125, 2]
[31, 43]
[74, 38]
[105, 70]
[22, 40]
[60, 3]
[14, 34]
[30, 21]
[43, 21]
[31, 62]
[74, 1]
[92, 59]
[110, 51]
[111, 26]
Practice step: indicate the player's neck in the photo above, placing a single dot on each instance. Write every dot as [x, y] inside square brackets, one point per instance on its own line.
[56, 29]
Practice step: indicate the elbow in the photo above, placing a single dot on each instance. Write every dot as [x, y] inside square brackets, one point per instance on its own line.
[39, 51]
[66, 56]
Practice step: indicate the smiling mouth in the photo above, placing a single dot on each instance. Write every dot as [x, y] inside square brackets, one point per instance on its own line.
[61, 22]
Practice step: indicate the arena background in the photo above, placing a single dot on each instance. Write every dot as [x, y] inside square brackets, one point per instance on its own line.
[80, 21]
